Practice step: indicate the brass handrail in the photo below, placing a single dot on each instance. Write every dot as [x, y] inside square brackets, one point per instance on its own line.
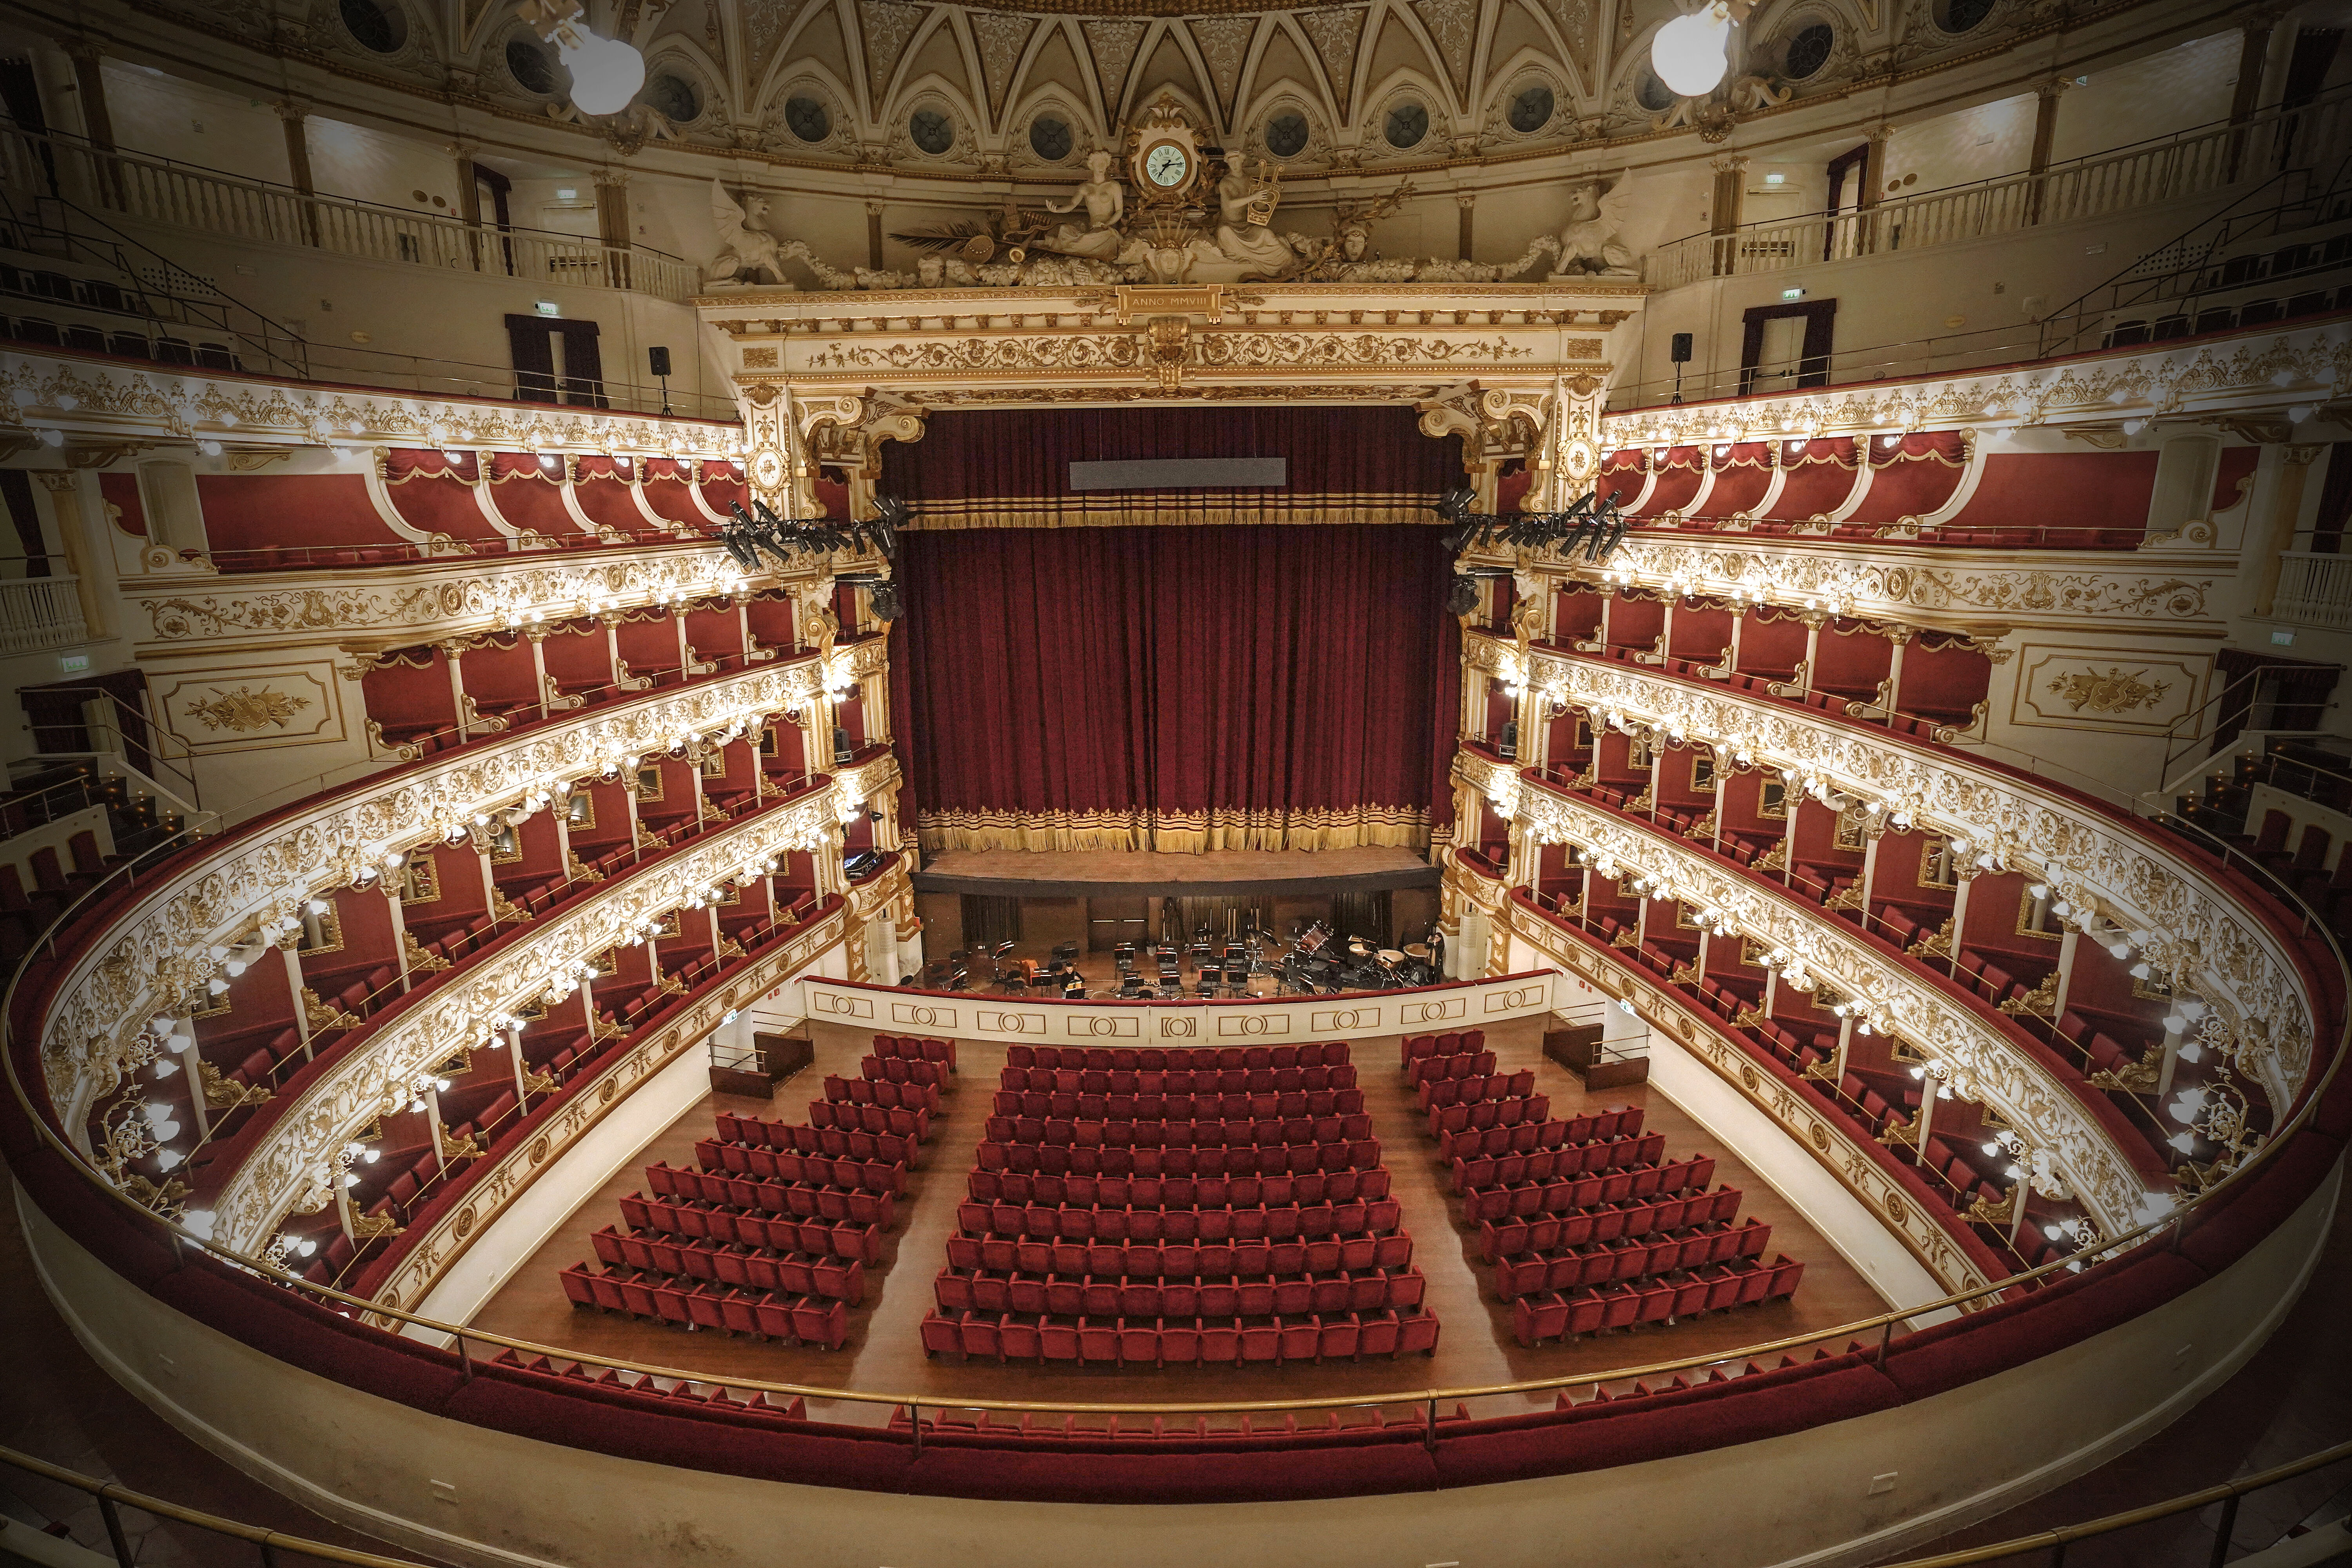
[2059, 1537]
[271, 1542]
[1882, 1324]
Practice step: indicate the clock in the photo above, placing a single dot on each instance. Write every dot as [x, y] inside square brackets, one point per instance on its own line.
[1164, 154]
[1167, 165]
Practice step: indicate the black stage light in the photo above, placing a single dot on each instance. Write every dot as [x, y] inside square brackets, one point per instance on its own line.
[784, 537]
[1594, 524]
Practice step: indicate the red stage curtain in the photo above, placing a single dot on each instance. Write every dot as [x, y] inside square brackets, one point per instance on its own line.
[1011, 467]
[1222, 687]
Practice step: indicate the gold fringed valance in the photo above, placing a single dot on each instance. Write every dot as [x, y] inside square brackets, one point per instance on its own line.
[1187, 833]
[1170, 509]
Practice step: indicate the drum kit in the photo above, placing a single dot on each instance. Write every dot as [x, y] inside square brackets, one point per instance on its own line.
[1319, 963]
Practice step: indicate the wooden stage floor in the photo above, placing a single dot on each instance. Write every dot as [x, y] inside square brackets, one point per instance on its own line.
[885, 1352]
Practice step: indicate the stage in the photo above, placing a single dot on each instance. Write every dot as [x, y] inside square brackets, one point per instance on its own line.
[1082, 904]
[1217, 873]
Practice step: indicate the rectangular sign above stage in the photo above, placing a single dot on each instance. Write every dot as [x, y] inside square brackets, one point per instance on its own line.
[1181, 474]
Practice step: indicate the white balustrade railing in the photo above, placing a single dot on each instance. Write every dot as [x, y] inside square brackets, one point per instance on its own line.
[38, 613]
[2192, 163]
[2314, 590]
[179, 195]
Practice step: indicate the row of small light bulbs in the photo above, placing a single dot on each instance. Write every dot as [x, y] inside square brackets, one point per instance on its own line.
[1836, 598]
[518, 613]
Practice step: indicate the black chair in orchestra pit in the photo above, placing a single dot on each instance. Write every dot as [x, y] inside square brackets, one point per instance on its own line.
[1131, 986]
[1123, 957]
[1170, 970]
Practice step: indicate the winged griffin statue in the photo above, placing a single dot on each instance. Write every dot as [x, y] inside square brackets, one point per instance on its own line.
[1588, 243]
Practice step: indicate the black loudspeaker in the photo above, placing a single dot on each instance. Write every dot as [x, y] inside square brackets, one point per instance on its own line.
[1680, 354]
[660, 358]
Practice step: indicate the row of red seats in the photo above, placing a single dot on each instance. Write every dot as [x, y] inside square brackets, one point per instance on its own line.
[757, 1133]
[1600, 1263]
[1569, 1160]
[1437, 1069]
[1051, 1132]
[922, 1097]
[1254, 1222]
[1466, 1090]
[1177, 1059]
[921, 1072]
[1558, 1194]
[1068, 1105]
[1179, 1296]
[797, 1200]
[1526, 1136]
[826, 1142]
[913, 1125]
[1415, 1048]
[775, 1197]
[1240, 1159]
[1208, 1080]
[1590, 1310]
[842, 1238]
[1605, 1222]
[1477, 1115]
[754, 1269]
[1164, 1342]
[910, 1048]
[820, 1170]
[811, 1320]
[1179, 1192]
[1163, 1259]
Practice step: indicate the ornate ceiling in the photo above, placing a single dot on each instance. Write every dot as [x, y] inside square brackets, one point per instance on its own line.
[970, 90]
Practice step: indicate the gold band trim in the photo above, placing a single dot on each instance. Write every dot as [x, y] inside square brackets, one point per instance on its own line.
[1183, 833]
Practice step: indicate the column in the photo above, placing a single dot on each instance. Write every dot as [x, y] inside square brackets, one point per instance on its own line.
[613, 225]
[90, 560]
[2278, 527]
[2045, 130]
[1465, 201]
[1874, 184]
[469, 196]
[293, 115]
[97, 122]
[1730, 187]
[874, 235]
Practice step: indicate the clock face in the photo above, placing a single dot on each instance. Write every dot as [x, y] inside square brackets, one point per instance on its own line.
[1167, 164]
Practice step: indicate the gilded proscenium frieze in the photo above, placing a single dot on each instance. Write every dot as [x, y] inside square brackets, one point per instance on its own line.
[292, 1166]
[1985, 593]
[2197, 931]
[2265, 370]
[429, 1255]
[1208, 341]
[110, 403]
[155, 950]
[1988, 1066]
[1920, 1228]
[425, 601]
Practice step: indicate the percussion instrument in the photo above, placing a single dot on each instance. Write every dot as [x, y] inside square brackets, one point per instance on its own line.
[1417, 949]
[1391, 956]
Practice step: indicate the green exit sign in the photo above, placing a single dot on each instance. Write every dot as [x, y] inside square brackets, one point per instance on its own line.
[1792, 293]
[73, 663]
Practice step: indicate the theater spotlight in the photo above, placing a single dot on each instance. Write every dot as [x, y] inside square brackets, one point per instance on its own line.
[1588, 520]
[784, 537]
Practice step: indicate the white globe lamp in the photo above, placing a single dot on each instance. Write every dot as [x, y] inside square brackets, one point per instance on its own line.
[1688, 53]
[606, 72]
